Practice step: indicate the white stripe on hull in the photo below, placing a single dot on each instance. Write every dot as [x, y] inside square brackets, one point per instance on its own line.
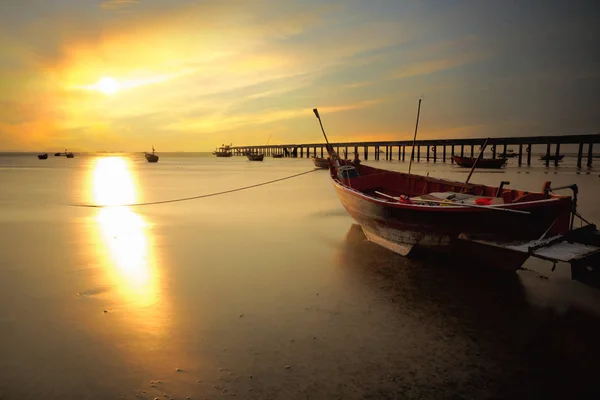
[402, 242]
[400, 248]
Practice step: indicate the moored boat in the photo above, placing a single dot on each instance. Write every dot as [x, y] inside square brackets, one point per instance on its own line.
[223, 151]
[43, 156]
[255, 157]
[510, 153]
[151, 157]
[320, 162]
[57, 154]
[279, 155]
[552, 157]
[467, 162]
[401, 212]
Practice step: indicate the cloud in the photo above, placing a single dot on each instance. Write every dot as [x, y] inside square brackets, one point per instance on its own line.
[266, 117]
[116, 4]
[428, 67]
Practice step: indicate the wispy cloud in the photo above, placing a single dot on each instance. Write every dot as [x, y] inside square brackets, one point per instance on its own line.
[116, 4]
[427, 67]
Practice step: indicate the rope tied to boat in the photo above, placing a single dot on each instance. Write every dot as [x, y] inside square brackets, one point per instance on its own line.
[196, 197]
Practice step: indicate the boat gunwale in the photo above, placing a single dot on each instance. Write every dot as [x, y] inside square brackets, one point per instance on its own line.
[461, 208]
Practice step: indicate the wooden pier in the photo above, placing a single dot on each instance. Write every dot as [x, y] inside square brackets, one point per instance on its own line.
[441, 149]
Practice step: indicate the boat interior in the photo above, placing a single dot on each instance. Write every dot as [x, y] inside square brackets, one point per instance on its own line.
[397, 185]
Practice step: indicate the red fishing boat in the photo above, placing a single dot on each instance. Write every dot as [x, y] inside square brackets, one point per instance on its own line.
[468, 162]
[400, 211]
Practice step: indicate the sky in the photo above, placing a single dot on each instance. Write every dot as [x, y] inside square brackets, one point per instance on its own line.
[183, 75]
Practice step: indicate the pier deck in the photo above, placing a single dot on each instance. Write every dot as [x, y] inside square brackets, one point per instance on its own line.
[441, 149]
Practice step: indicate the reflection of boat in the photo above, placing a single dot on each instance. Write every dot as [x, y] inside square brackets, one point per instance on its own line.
[255, 157]
[43, 156]
[550, 157]
[223, 151]
[468, 162]
[320, 162]
[280, 155]
[151, 157]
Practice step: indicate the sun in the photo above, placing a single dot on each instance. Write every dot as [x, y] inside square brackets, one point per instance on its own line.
[107, 85]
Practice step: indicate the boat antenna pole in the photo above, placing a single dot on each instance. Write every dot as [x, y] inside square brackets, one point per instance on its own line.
[330, 151]
[412, 153]
[478, 158]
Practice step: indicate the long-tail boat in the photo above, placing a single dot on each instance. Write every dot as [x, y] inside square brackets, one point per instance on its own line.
[320, 162]
[43, 156]
[151, 157]
[223, 151]
[400, 211]
[255, 157]
[468, 162]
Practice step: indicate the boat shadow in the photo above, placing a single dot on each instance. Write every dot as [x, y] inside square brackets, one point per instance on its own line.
[538, 350]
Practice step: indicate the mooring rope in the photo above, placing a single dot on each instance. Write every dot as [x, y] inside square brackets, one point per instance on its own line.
[195, 197]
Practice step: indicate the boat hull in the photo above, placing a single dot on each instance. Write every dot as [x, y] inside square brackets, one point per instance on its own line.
[151, 158]
[42, 156]
[255, 157]
[552, 157]
[402, 228]
[223, 153]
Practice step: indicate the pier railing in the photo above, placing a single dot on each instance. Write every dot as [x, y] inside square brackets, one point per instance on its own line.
[439, 149]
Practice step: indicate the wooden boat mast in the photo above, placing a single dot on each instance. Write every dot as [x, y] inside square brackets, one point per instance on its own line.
[412, 153]
[478, 158]
[330, 151]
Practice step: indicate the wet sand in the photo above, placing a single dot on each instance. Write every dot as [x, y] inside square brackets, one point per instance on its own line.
[270, 293]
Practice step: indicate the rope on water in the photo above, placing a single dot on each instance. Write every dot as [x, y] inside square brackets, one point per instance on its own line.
[195, 197]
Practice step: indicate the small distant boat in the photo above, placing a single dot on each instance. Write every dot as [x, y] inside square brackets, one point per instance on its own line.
[43, 156]
[552, 157]
[223, 151]
[278, 155]
[57, 154]
[68, 154]
[467, 162]
[510, 153]
[151, 157]
[255, 157]
[320, 162]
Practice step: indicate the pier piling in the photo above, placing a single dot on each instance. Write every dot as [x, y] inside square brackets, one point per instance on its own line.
[525, 144]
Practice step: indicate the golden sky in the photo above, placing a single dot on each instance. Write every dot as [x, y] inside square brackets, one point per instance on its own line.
[190, 75]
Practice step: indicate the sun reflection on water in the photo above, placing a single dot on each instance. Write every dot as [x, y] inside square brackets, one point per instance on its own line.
[125, 234]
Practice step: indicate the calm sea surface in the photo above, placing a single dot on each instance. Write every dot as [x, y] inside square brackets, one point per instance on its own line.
[267, 293]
